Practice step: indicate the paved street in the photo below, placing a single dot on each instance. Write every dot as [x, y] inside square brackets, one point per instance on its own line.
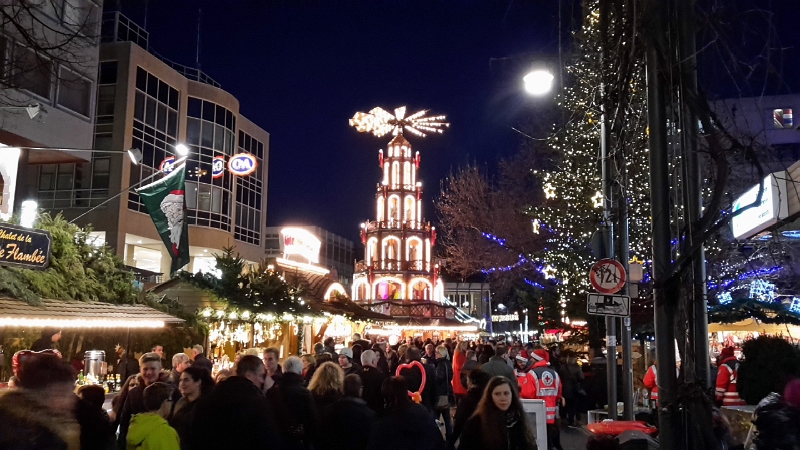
[574, 438]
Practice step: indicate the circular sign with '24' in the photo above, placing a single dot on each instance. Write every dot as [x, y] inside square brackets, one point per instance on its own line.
[607, 276]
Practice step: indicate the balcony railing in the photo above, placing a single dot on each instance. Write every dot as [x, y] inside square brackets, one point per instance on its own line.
[410, 308]
[394, 224]
[118, 28]
[418, 265]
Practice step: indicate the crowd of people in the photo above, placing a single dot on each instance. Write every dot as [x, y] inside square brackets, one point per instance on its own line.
[366, 395]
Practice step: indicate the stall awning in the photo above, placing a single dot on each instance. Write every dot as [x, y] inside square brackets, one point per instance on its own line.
[70, 314]
[753, 325]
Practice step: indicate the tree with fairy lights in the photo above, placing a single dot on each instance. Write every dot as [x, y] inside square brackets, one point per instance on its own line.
[572, 213]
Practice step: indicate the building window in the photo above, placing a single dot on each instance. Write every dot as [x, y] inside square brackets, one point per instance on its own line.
[32, 72]
[73, 185]
[155, 128]
[209, 133]
[80, 15]
[782, 118]
[74, 91]
[249, 192]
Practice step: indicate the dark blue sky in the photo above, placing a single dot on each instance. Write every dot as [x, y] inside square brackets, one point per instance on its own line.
[301, 69]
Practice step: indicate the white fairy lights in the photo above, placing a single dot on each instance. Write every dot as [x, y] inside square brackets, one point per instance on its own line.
[380, 122]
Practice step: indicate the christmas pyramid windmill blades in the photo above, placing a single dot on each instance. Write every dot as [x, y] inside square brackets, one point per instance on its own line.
[381, 122]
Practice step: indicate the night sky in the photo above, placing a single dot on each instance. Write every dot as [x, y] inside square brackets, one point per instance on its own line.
[301, 69]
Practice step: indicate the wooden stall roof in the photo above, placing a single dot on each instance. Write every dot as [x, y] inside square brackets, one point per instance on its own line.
[68, 312]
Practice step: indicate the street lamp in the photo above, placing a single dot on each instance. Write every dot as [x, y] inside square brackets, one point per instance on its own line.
[181, 149]
[28, 215]
[538, 82]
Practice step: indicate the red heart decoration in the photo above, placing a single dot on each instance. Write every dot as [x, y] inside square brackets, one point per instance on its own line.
[416, 396]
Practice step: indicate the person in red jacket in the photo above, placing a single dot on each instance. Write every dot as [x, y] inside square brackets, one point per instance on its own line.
[525, 378]
[459, 358]
[727, 375]
[651, 381]
[548, 388]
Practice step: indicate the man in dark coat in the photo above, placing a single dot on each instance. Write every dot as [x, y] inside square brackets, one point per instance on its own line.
[149, 373]
[49, 339]
[200, 359]
[371, 379]
[497, 366]
[413, 377]
[296, 416]
[237, 406]
[274, 370]
[405, 425]
[347, 422]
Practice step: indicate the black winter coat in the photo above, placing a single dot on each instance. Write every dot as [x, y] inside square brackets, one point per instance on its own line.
[346, 424]
[372, 379]
[181, 420]
[325, 400]
[204, 363]
[236, 406]
[513, 438]
[96, 430]
[466, 407]
[414, 380]
[406, 426]
[444, 375]
[296, 415]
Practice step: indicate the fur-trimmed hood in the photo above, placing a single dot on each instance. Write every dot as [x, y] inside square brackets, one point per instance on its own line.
[27, 422]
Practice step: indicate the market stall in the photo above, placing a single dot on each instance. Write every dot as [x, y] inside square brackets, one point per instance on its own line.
[86, 326]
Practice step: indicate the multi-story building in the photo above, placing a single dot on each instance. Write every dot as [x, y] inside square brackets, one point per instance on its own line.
[336, 253]
[148, 103]
[48, 57]
[472, 295]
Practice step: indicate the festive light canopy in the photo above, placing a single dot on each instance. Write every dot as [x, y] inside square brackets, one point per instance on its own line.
[381, 122]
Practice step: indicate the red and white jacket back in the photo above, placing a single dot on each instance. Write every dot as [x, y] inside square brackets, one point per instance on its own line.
[651, 382]
[548, 388]
[727, 375]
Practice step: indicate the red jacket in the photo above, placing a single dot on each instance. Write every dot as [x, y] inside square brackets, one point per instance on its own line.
[651, 382]
[527, 384]
[727, 376]
[548, 388]
[459, 359]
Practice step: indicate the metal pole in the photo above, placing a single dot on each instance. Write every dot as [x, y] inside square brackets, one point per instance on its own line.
[611, 322]
[623, 253]
[689, 142]
[656, 23]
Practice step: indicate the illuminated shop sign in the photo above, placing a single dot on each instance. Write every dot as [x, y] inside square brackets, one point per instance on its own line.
[505, 317]
[218, 167]
[167, 164]
[242, 164]
[773, 207]
[297, 241]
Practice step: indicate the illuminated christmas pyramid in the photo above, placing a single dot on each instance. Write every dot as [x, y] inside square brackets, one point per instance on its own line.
[398, 276]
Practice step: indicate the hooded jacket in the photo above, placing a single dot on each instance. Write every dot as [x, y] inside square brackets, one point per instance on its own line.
[26, 423]
[149, 431]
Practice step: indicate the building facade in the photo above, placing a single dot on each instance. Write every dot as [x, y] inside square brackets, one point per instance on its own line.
[145, 102]
[336, 253]
[48, 104]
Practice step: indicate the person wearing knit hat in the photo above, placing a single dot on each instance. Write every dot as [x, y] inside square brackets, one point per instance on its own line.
[346, 361]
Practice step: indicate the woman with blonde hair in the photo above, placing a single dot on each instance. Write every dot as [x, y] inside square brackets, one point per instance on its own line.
[499, 423]
[309, 367]
[327, 385]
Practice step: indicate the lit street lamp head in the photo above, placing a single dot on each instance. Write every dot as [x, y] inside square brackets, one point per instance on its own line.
[538, 82]
[181, 150]
[136, 156]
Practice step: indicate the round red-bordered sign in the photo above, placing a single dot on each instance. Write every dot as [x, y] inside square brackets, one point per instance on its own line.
[607, 276]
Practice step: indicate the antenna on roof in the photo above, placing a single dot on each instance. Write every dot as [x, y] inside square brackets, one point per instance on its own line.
[197, 56]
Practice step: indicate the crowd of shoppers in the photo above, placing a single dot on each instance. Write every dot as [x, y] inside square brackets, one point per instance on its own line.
[366, 395]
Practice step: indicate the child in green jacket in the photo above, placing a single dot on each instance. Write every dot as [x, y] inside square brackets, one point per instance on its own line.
[150, 430]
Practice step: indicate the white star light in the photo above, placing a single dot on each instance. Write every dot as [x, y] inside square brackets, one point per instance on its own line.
[549, 191]
[597, 200]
